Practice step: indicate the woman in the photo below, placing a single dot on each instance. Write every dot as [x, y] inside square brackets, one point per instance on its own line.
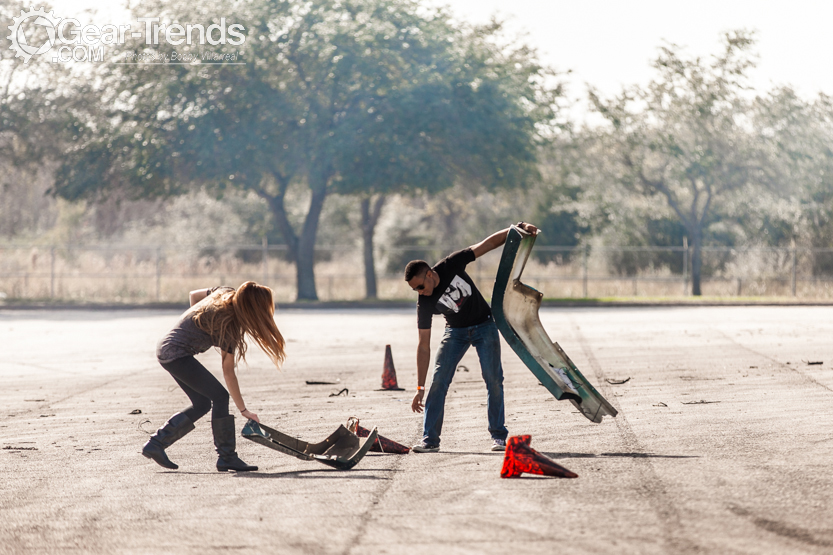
[219, 317]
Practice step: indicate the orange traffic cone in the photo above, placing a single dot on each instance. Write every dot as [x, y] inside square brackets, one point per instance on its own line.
[389, 373]
[382, 444]
[520, 458]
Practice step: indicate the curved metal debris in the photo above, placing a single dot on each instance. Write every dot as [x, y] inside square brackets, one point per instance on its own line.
[515, 308]
[342, 449]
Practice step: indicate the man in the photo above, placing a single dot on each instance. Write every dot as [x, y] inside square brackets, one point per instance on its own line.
[447, 289]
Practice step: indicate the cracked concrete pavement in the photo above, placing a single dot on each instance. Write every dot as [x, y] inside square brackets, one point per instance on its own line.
[722, 443]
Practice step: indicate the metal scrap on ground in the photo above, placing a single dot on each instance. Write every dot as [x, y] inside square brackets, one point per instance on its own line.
[342, 449]
[617, 382]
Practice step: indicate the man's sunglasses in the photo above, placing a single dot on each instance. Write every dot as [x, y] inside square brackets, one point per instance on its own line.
[421, 286]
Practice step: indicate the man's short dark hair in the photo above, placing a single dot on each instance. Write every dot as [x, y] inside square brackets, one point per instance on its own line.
[415, 268]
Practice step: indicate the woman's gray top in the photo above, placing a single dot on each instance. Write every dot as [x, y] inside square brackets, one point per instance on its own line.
[186, 339]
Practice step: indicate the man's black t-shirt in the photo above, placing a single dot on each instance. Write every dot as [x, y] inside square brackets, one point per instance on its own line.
[456, 296]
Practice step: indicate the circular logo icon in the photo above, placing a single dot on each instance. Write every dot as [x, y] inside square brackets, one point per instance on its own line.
[20, 45]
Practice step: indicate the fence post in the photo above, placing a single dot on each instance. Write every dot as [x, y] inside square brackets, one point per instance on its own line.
[158, 273]
[792, 277]
[265, 244]
[740, 286]
[685, 266]
[52, 272]
[584, 270]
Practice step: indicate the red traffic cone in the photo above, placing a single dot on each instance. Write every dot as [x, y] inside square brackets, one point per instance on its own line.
[389, 373]
[520, 458]
[382, 444]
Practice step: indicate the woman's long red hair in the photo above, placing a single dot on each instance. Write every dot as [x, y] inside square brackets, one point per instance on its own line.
[231, 315]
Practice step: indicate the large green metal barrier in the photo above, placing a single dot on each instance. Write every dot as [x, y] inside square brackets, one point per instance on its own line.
[515, 308]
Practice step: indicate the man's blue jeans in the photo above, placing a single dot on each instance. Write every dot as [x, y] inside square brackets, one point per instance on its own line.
[456, 341]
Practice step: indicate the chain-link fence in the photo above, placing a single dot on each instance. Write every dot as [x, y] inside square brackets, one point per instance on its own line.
[145, 274]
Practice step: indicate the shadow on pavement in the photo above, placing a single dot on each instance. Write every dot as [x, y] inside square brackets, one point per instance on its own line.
[319, 473]
[485, 453]
[624, 455]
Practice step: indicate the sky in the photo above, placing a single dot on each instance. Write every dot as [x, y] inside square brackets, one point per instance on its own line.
[610, 43]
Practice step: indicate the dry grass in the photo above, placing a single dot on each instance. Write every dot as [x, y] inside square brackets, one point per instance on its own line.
[144, 275]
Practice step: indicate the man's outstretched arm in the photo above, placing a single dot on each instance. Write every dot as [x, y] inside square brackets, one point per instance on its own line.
[423, 359]
[495, 240]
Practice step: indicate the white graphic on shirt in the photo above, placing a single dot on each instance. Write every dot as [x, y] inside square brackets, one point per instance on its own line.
[455, 296]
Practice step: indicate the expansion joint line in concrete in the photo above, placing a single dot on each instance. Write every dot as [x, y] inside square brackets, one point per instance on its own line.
[81, 392]
[651, 485]
[355, 544]
[781, 365]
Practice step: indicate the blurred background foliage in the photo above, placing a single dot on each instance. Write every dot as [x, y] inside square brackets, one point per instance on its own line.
[374, 124]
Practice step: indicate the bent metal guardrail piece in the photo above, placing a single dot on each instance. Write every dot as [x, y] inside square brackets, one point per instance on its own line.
[342, 449]
[515, 308]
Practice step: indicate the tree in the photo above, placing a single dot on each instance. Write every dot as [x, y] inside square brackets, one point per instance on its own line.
[362, 97]
[38, 110]
[799, 135]
[476, 112]
[558, 199]
[685, 137]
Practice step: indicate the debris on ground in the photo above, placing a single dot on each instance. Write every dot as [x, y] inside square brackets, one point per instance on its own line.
[16, 448]
[344, 391]
[660, 404]
[700, 402]
[813, 362]
[520, 458]
[462, 368]
[617, 382]
[342, 449]
[382, 444]
[314, 382]
[135, 411]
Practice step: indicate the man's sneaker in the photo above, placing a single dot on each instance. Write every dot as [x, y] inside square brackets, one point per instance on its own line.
[425, 448]
[499, 445]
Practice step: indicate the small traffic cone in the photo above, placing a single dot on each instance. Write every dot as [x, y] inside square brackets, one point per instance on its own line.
[520, 458]
[382, 444]
[389, 373]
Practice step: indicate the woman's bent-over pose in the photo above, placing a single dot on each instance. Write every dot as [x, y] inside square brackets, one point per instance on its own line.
[219, 317]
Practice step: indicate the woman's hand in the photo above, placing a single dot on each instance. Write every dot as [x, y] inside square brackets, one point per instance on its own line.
[250, 415]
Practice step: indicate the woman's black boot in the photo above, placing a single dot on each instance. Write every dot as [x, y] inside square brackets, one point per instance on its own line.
[225, 442]
[177, 426]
